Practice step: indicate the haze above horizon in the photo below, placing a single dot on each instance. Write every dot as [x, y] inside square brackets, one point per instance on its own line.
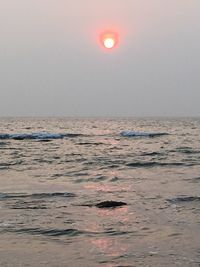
[53, 64]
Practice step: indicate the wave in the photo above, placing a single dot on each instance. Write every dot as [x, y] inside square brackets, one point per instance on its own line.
[185, 199]
[47, 232]
[38, 136]
[155, 163]
[140, 134]
[4, 196]
[56, 232]
[46, 136]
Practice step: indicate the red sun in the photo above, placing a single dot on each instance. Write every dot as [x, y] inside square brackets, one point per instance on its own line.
[109, 40]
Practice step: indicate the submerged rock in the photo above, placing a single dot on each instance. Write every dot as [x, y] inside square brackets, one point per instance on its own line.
[110, 204]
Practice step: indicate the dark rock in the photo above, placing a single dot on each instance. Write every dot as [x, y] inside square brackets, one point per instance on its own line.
[110, 204]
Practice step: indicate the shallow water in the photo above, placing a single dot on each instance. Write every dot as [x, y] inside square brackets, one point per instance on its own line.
[54, 171]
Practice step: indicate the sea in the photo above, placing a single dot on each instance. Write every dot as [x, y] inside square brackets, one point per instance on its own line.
[99, 192]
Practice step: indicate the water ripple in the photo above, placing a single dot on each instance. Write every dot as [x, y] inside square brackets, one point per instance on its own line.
[47, 232]
[185, 199]
[4, 196]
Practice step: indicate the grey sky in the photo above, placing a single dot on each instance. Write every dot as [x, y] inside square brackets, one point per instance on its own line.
[51, 62]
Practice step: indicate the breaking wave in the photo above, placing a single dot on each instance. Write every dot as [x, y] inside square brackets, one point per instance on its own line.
[38, 136]
[45, 136]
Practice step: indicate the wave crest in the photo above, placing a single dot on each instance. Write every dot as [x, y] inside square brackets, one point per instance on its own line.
[38, 136]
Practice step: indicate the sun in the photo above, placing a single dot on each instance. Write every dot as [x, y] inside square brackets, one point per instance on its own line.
[109, 43]
[109, 40]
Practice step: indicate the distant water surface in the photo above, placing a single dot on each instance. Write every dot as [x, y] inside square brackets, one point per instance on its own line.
[55, 171]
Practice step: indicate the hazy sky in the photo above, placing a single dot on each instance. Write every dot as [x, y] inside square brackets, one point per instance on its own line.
[51, 62]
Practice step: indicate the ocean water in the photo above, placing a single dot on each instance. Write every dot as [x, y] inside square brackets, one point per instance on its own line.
[55, 173]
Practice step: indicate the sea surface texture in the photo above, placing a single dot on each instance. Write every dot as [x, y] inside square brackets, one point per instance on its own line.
[99, 192]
